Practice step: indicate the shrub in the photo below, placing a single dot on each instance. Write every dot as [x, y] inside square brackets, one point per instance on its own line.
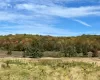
[53, 54]
[35, 52]
[9, 52]
[90, 54]
[32, 52]
[5, 64]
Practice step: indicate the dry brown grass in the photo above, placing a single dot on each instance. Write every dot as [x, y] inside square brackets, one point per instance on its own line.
[77, 59]
[50, 69]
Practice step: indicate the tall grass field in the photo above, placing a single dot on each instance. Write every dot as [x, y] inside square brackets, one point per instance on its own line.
[48, 69]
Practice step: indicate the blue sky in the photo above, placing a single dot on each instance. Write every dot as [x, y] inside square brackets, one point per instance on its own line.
[50, 17]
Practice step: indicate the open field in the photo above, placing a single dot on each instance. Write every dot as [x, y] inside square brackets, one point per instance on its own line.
[14, 54]
[49, 69]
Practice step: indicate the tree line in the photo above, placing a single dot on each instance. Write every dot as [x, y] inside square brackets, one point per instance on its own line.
[37, 45]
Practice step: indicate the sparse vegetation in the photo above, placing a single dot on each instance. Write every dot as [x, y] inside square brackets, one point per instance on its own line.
[47, 69]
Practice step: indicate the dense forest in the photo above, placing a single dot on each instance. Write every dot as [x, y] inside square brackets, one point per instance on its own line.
[38, 45]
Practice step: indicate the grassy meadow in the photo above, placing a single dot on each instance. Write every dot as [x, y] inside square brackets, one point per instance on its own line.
[49, 69]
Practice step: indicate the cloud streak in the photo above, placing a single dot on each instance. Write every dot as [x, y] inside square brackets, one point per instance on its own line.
[82, 22]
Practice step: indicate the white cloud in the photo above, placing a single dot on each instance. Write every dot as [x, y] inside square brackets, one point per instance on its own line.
[31, 7]
[35, 16]
[36, 29]
[65, 12]
[3, 4]
[82, 22]
[61, 11]
[48, 10]
[25, 6]
[9, 16]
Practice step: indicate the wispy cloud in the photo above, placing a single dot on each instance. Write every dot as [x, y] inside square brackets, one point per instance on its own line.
[51, 10]
[83, 23]
[39, 16]
[61, 11]
[65, 12]
[38, 28]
